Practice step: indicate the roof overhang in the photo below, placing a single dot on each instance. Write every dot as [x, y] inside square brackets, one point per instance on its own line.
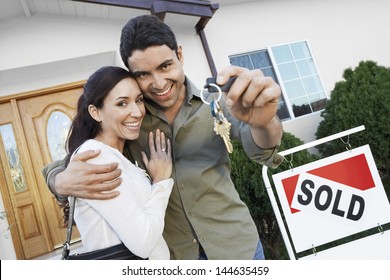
[202, 9]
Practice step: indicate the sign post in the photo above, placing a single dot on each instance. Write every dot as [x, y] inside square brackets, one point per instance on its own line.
[331, 199]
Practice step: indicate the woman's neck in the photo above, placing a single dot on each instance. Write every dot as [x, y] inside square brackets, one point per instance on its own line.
[115, 143]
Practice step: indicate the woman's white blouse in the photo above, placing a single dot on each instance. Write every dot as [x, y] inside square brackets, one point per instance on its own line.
[135, 217]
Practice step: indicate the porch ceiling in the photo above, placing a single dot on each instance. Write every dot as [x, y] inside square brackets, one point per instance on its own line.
[186, 13]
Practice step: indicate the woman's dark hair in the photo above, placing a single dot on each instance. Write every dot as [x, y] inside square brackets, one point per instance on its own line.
[84, 127]
[145, 31]
[96, 89]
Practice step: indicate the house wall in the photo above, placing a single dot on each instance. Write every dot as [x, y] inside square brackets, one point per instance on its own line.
[44, 51]
[340, 34]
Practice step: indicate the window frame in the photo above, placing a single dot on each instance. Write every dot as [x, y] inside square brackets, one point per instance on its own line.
[281, 82]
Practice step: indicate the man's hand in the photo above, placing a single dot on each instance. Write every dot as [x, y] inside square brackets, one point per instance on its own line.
[84, 180]
[253, 99]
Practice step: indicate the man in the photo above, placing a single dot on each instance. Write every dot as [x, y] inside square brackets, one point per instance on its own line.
[205, 216]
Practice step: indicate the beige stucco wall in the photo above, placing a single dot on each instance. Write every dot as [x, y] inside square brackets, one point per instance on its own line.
[340, 34]
[41, 51]
[44, 51]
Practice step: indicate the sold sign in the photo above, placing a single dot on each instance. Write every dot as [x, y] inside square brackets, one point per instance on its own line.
[332, 198]
[331, 184]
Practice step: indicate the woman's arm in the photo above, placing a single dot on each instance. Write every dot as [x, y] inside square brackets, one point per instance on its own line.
[137, 214]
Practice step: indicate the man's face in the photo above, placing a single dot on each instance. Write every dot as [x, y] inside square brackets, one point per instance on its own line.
[159, 73]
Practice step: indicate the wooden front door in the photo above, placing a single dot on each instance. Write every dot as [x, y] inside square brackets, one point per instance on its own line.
[39, 123]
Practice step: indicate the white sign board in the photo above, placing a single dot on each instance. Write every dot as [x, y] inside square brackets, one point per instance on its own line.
[373, 247]
[332, 198]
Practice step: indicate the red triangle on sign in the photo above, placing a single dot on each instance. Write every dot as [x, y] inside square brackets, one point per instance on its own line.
[353, 172]
[289, 185]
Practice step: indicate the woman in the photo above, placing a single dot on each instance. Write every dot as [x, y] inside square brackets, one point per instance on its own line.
[110, 112]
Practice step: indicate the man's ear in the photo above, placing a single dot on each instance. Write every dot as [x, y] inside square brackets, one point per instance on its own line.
[94, 112]
[180, 54]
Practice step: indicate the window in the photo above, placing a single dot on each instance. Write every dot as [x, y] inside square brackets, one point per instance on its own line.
[15, 165]
[293, 68]
[57, 131]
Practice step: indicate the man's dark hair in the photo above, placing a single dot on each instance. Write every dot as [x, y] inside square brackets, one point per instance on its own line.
[145, 31]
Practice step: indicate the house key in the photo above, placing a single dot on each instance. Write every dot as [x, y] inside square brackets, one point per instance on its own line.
[221, 125]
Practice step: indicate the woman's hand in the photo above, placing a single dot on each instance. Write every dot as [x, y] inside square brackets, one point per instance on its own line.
[159, 166]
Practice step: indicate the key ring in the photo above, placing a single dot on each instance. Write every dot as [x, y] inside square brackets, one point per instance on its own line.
[216, 99]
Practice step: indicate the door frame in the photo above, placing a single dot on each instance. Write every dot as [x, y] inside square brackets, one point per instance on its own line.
[20, 132]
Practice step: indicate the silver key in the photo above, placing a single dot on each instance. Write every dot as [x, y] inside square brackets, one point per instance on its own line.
[221, 125]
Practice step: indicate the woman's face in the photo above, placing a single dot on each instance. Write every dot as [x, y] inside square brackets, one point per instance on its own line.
[121, 115]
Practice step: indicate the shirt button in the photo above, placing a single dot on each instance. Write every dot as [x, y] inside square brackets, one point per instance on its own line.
[194, 240]
[182, 187]
[189, 213]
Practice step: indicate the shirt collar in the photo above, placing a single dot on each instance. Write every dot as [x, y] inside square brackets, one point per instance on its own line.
[192, 90]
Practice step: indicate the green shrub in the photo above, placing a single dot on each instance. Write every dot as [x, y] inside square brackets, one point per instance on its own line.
[362, 98]
[247, 177]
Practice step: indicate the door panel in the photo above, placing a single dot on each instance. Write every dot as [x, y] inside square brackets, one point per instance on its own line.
[21, 199]
[35, 118]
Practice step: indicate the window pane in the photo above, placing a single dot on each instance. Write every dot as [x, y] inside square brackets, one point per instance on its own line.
[11, 150]
[57, 131]
[260, 60]
[312, 84]
[294, 69]
[288, 71]
[282, 54]
[300, 50]
[242, 61]
[298, 76]
[306, 67]
[315, 97]
[317, 102]
[283, 112]
[269, 72]
[295, 89]
[300, 106]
